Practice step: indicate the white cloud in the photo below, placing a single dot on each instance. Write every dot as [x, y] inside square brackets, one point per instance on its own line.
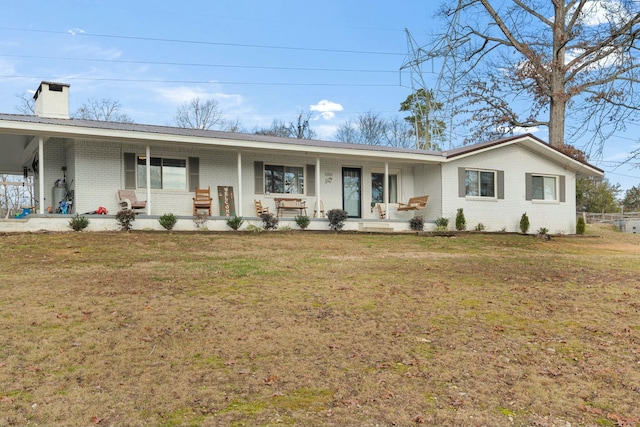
[597, 12]
[229, 103]
[326, 108]
[76, 31]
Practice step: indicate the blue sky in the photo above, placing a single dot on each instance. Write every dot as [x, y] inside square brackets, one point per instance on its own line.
[260, 60]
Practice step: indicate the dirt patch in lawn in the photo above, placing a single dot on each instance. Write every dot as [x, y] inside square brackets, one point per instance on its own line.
[297, 328]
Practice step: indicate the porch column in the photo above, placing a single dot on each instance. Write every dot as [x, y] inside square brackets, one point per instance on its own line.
[148, 178]
[318, 199]
[41, 206]
[239, 195]
[385, 189]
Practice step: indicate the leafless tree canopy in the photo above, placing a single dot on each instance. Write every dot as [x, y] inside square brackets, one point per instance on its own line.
[569, 65]
[107, 110]
[199, 114]
[300, 129]
[370, 129]
[25, 103]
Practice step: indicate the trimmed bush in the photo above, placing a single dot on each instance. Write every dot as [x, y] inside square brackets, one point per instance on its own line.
[337, 217]
[167, 221]
[125, 218]
[269, 221]
[78, 223]
[581, 226]
[480, 227]
[417, 223]
[461, 222]
[524, 223]
[303, 221]
[235, 222]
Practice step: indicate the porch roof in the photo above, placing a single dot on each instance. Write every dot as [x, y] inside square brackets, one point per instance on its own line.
[29, 126]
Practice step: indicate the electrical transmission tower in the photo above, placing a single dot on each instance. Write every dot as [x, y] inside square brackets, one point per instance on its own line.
[437, 114]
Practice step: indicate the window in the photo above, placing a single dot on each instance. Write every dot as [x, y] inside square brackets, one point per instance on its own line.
[377, 188]
[167, 174]
[543, 187]
[480, 183]
[284, 179]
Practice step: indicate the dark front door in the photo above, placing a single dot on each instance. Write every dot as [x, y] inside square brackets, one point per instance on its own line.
[351, 189]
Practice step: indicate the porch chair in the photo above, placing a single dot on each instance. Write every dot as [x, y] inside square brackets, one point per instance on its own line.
[318, 211]
[259, 208]
[381, 212]
[202, 200]
[127, 199]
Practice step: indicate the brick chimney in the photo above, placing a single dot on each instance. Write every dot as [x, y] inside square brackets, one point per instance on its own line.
[51, 100]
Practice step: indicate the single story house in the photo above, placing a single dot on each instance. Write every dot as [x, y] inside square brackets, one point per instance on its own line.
[493, 182]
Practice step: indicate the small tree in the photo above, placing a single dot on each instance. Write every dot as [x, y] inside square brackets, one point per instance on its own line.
[78, 223]
[524, 223]
[461, 222]
[337, 217]
[442, 224]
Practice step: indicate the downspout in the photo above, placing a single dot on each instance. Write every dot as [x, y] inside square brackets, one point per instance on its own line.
[41, 174]
[239, 202]
[148, 178]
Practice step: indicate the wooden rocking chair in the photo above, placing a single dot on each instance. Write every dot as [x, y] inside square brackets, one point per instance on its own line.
[202, 200]
[259, 208]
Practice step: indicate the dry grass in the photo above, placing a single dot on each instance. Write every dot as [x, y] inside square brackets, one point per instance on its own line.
[319, 329]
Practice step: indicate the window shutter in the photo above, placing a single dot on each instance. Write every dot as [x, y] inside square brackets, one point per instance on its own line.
[563, 190]
[462, 191]
[129, 171]
[258, 171]
[528, 190]
[310, 180]
[194, 173]
[500, 184]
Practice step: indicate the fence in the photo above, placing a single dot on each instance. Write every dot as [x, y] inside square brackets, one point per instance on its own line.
[592, 217]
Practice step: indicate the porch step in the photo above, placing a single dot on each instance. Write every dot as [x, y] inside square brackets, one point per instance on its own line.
[376, 227]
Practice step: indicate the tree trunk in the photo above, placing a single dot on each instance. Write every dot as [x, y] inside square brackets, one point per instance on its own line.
[557, 95]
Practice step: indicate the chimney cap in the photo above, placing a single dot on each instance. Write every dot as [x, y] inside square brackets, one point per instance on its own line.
[52, 86]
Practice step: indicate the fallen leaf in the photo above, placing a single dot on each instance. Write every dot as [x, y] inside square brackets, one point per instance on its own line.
[6, 399]
[97, 420]
[270, 379]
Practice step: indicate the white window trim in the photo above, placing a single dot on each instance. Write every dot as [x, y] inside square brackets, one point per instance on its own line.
[397, 172]
[165, 190]
[557, 191]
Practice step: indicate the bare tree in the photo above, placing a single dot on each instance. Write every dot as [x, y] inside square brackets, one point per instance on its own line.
[14, 193]
[370, 129]
[531, 63]
[107, 110]
[25, 104]
[199, 114]
[300, 129]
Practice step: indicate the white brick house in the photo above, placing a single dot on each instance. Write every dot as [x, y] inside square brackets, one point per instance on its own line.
[494, 182]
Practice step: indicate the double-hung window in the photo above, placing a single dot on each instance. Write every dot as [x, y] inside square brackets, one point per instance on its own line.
[479, 183]
[544, 188]
[284, 179]
[166, 173]
[377, 188]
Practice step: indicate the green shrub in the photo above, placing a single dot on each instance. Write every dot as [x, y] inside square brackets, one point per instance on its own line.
[580, 225]
[442, 224]
[337, 217]
[303, 221]
[168, 220]
[235, 222]
[524, 223]
[78, 223]
[269, 221]
[480, 227]
[543, 230]
[417, 223]
[461, 222]
[125, 218]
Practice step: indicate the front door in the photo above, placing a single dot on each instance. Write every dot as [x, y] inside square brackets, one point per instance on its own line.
[351, 189]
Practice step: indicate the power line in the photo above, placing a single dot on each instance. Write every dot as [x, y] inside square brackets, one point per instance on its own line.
[201, 42]
[209, 82]
[188, 64]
